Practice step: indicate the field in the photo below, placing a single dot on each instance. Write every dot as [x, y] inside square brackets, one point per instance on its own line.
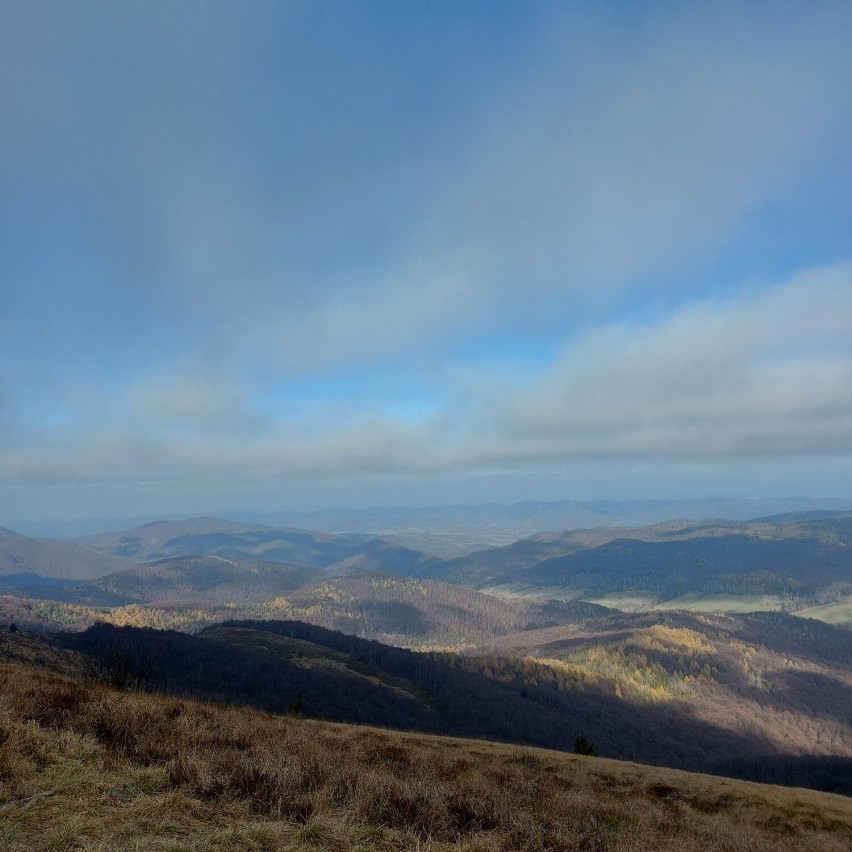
[839, 612]
[544, 593]
[85, 766]
[725, 604]
[625, 601]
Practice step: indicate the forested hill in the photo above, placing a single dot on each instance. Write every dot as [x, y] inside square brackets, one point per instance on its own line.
[51, 558]
[639, 705]
[209, 569]
[799, 561]
[85, 765]
[231, 540]
[421, 613]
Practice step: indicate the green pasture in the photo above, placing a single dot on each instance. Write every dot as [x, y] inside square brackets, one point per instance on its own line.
[839, 612]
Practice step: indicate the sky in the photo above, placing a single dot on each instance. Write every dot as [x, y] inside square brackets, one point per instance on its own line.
[285, 255]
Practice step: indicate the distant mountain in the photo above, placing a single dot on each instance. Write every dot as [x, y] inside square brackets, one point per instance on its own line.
[232, 540]
[200, 537]
[799, 562]
[83, 526]
[435, 528]
[53, 559]
[791, 562]
[449, 531]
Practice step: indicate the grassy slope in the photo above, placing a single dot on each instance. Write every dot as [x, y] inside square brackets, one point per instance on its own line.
[700, 693]
[83, 766]
[839, 612]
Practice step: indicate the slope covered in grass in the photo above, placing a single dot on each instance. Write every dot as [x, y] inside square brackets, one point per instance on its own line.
[85, 766]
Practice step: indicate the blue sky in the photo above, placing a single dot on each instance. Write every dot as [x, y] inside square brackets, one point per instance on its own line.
[286, 255]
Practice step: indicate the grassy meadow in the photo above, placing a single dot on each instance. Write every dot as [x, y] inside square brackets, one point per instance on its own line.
[839, 612]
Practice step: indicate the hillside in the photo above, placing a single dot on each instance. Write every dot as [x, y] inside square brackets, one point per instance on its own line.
[191, 592]
[83, 765]
[197, 579]
[50, 558]
[230, 540]
[414, 613]
[664, 693]
[783, 680]
[788, 563]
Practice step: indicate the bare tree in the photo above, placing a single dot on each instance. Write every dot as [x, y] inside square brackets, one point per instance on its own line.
[120, 663]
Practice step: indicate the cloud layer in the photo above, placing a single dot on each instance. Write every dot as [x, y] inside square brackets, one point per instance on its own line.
[762, 374]
[294, 244]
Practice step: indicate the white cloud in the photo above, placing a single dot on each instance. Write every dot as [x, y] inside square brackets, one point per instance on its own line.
[607, 157]
[195, 402]
[760, 374]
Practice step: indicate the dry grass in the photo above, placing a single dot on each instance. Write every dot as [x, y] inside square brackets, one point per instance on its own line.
[145, 772]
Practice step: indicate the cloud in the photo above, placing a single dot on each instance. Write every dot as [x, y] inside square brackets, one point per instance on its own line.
[759, 374]
[766, 374]
[199, 403]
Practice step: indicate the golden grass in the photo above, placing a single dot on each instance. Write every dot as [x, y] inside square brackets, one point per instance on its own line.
[84, 766]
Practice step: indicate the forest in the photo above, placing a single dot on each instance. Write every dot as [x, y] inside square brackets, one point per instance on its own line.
[629, 705]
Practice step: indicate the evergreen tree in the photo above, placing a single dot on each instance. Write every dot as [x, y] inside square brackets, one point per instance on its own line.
[583, 746]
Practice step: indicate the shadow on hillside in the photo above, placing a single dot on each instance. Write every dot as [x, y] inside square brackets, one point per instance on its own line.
[817, 694]
[819, 772]
[390, 617]
[560, 647]
[496, 698]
